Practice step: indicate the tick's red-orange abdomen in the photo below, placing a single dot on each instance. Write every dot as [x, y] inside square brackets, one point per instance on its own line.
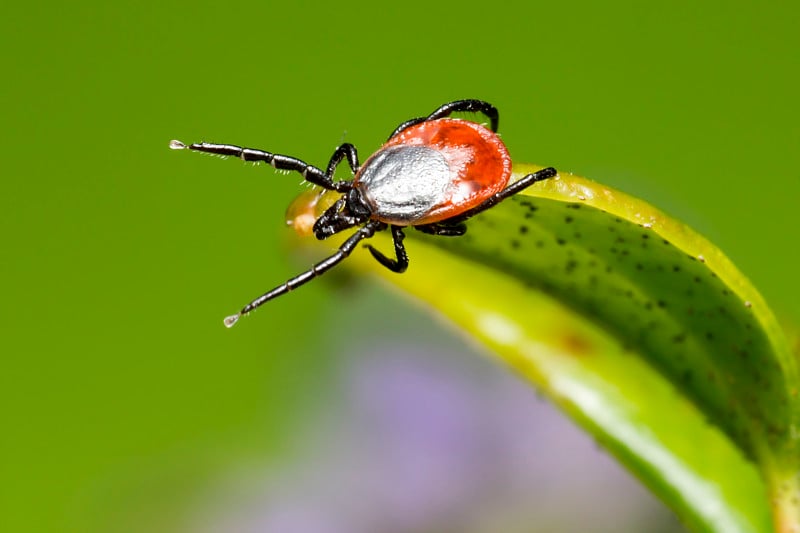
[433, 171]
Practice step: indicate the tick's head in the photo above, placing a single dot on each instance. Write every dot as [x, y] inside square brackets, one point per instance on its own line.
[355, 205]
[350, 210]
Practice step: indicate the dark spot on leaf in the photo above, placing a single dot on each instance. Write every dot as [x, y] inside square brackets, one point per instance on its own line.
[661, 303]
[687, 376]
[709, 335]
[697, 279]
[676, 268]
[570, 267]
[725, 292]
[665, 241]
[617, 220]
[620, 240]
[568, 220]
[625, 252]
[514, 244]
[573, 206]
[648, 305]
[679, 338]
[540, 244]
[523, 230]
[576, 235]
[693, 258]
[528, 215]
[561, 241]
[645, 236]
[608, 269]
[639, 266]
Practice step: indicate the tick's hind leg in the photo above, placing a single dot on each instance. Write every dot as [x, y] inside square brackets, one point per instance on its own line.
[398, 265]
[511, 190]
[472, 106]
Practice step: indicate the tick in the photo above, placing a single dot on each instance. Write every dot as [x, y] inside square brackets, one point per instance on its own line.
[432, 174]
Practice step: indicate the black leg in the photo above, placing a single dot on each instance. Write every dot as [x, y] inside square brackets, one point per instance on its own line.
[474, 106]
[442, 229]
[341, 151]
[511, 190]
[401, 263]
[281, 162]
[320, 268]
[407, 124]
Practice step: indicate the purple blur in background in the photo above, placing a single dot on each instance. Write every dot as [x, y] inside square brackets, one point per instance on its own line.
[423, 442]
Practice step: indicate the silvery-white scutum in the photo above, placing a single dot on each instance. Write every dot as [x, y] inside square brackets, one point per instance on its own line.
[403, 183]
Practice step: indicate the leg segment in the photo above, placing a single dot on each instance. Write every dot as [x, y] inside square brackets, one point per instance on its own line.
[442, 229]
[475, 106]
[281, 162]
[407, 124]
[341, 151]
[320, 268]
[511, 190]
[401, 263]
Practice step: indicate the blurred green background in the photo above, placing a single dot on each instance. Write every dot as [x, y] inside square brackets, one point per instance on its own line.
[126, 401]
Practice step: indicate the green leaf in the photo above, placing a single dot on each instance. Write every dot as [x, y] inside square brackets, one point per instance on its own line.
[641, 330]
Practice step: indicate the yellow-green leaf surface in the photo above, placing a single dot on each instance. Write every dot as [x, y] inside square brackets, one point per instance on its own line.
[640, 329]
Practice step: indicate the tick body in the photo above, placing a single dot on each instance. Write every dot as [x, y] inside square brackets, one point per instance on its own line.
[433, 173]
